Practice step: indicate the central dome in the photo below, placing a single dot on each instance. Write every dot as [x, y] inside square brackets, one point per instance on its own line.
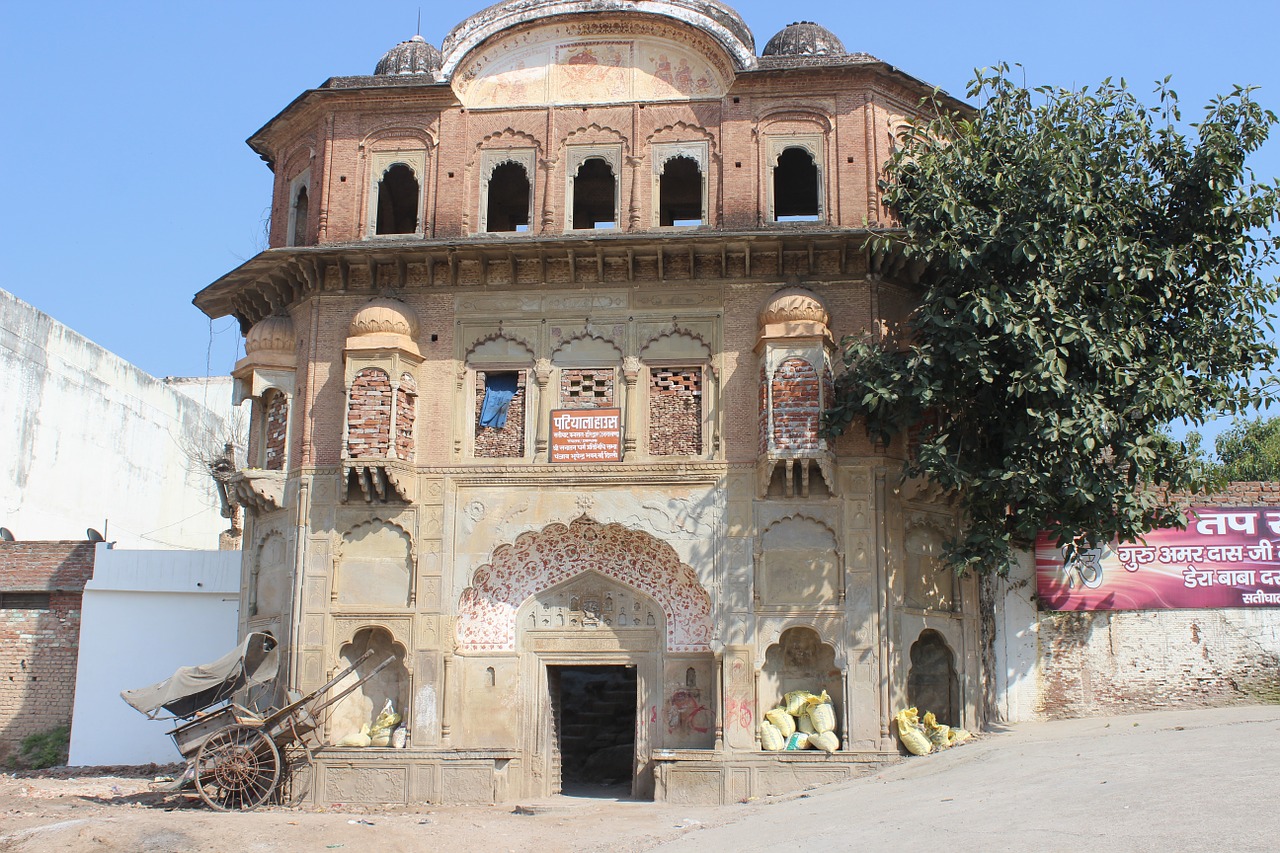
[716, 19]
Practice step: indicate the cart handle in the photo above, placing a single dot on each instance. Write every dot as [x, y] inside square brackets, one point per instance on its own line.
[377, 669]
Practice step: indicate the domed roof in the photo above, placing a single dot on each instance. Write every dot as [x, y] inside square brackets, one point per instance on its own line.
[794, 312]
[271, 334]
[415, 56]
[804, 38]
[384, 316]
[716, 19]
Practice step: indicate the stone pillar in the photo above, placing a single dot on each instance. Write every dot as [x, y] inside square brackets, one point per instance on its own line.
[630, 375]
[542, 375]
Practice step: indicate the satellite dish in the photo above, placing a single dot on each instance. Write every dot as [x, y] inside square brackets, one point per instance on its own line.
[6, 535]
[94, 536]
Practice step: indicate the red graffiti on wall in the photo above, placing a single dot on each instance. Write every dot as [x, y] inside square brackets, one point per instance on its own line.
[738, 712]
[687, 714]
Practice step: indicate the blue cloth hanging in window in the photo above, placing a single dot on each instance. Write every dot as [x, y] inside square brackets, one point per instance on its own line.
[499, 390]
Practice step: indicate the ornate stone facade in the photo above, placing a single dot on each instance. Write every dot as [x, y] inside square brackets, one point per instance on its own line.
[623, 233]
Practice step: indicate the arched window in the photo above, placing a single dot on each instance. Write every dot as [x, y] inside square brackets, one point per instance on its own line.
[397, 201]
[301, 210]
[275, 428]
[509, 197]
[595, 195]
[795, 186]
[680, 193]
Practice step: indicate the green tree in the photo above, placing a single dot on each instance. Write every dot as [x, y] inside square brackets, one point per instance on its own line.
[1092, 275]
[1249, 450]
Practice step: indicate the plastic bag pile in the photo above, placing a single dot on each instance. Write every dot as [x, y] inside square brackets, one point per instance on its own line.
[803, 721]
[377, 734]
[923, 736]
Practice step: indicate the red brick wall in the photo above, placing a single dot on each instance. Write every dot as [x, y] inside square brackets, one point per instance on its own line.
[797, 405]
[507, 442]
[38, 648]
[406, 411]
[675, 411]
[277, 422]
[369, 415]
[591, 388]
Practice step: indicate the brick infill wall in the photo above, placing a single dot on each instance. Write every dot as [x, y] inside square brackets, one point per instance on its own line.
[39, 644]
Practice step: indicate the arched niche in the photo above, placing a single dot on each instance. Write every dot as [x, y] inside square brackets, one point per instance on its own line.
[677, 344]
[932, 682]
[374, 566]
[595, 604]
[798, 564]
[542, 560]
[929, 584]
[271, 584]
[362, 705]
[800, 661]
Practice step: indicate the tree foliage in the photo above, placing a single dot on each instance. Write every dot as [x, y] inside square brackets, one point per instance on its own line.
[1249, 451]
[1093, 273]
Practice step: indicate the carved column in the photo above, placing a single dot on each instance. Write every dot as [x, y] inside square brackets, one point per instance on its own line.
[548, 194]
[630, 375]
[542, 375]
[633, 213]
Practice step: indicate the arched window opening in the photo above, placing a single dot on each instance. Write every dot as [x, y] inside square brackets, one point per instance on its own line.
[398, 201]
[595, 195]
[301, 207]
[680, 193]
[932, 683]
[795, 187]
[275, 423]
[509, 194]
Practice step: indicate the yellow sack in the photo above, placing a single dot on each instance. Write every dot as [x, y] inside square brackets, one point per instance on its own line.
[827, 742]
[822, 713]
[360, 738]
[770, 738]
[804, 724]
[785, 722]
[910, 734]
[958, 736]
[385, 722]
[939, 735]
[796, 700]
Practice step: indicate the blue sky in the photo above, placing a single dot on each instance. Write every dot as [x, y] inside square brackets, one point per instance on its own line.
[129, 186]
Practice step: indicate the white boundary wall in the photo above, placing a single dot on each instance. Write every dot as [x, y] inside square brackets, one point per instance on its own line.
[145, 614]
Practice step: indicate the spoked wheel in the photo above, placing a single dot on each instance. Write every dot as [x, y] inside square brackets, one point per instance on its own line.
[237, 769]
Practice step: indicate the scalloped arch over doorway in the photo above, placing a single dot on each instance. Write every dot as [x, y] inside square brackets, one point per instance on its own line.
[558, 552]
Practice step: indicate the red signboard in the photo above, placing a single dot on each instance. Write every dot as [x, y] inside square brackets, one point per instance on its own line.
[586, 435]
[1227, 557]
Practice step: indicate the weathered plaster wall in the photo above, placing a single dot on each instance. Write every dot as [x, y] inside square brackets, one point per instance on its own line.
[1080, 664]
[145, 613]
[92, 440]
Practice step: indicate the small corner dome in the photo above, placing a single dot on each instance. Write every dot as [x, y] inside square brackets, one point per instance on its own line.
[415, 56]
[804, 38]
[794, 305]
[384, 316]
[271, 334]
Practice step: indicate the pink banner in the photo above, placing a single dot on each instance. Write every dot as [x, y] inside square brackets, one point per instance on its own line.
[1227, 557]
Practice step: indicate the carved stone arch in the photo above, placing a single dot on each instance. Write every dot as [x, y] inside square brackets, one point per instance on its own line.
[681, 131]
[270, 574]
[813, 118]
[585, 335]
[503, 139]
[591, 601]
[396, 136]
[795, 567]
[494, 342]
[299, 159]
[828, 631]
[695, 345]
[598, 134]
[542, 559]
[394, 683]
[370, 569]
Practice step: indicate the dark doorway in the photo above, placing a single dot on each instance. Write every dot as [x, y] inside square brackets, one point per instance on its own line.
[680, 193]
[594, 714]
[795, 187]
[398, 201]
[508, 199]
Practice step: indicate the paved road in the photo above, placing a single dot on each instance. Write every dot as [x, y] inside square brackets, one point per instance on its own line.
[1166, 781]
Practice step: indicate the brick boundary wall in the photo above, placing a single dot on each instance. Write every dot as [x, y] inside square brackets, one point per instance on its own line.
[1106, 662]
[39, 647]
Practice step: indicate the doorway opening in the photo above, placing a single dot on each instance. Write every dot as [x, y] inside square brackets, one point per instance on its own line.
[593, 711]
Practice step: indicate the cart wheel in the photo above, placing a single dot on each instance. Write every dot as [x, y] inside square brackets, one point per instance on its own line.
[237, 769]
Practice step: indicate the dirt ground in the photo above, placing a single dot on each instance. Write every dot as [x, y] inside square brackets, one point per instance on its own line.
[1163, 781]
